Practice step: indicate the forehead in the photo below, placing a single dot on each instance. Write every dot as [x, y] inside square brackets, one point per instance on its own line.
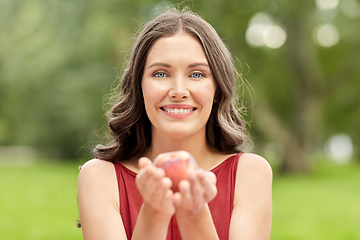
[181, 46]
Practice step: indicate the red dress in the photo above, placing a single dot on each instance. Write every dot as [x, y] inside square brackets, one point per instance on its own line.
[220, 208]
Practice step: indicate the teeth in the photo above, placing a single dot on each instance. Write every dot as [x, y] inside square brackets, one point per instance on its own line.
[177, 110]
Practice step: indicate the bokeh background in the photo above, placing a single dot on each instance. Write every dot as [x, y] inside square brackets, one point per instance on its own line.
[59, 60]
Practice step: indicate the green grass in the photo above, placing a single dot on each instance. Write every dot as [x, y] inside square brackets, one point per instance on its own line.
[324, 205]
[40, 202]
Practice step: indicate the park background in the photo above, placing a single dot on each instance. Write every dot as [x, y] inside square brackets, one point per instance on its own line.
[59, 61]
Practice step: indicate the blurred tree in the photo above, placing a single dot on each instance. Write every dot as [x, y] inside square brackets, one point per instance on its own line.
[294, 85]
[59, 58]
[56, 65]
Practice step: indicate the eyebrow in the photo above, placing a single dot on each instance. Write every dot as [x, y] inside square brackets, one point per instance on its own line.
[192, 65]
[160, 64]
[198, 64]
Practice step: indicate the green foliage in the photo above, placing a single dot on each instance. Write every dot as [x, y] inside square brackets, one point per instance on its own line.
[58, 59]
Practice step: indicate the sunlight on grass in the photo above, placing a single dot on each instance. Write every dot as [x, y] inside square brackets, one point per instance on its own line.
[324, 205]
[40, 202]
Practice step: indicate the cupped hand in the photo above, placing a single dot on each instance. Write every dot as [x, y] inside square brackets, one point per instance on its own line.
[155, 188]
[194, 193]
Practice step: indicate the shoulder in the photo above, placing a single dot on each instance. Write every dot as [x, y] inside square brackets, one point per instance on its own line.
[253, 198]
[97, 175]
[97, 182]
[98, 201]
[96, 168]
[97, 164]
[253, 172]
[253, 164]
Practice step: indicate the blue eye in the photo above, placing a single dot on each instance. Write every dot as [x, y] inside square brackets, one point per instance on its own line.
[197, 75]
[160, 74]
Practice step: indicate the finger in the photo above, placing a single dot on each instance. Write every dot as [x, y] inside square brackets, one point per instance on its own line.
[186, 196]
[177, 199]
[208, 180]
[197, 190]
[166, 183]
[167, 203]
[143, 174]
[144, 165]
[154, 182]
[212, 177]
[148, 180]
[144, 162]
[160, 191]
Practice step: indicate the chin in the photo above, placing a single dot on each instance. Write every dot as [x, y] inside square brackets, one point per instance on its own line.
[182, 133]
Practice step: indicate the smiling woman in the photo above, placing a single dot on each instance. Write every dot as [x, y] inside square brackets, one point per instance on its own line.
[177, 93]
[177, 84]
[226, 126]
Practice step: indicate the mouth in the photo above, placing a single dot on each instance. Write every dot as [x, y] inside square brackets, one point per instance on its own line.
[178, 110]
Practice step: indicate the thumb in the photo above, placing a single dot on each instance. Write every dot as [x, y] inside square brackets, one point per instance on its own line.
[144, 162]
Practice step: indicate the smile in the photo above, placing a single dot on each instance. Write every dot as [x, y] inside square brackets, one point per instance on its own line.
[178, 110]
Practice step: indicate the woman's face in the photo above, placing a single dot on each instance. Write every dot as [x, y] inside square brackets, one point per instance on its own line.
[178, 86]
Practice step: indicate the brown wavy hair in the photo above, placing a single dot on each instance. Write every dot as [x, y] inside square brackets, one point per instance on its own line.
[128, 121]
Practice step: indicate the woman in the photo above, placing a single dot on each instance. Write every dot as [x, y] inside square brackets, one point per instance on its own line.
[177, 93]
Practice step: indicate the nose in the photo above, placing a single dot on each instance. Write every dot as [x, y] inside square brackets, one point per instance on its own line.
[179, 89]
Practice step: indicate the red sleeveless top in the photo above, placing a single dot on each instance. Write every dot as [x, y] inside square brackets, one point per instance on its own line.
[220, 208]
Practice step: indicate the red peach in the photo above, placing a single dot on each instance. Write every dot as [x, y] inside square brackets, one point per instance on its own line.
[176, 164]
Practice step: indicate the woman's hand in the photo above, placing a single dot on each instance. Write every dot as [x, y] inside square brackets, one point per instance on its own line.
[196, 192]
[155, 189]
[157, 195]
[189, 204]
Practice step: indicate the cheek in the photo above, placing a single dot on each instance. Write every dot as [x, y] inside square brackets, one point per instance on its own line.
[152, 93]
[206, 94]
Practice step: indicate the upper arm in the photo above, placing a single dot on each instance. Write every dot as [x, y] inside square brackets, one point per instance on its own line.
[252, 211]
[98, 202]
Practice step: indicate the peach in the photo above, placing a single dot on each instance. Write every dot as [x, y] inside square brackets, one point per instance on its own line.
[176, 165]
